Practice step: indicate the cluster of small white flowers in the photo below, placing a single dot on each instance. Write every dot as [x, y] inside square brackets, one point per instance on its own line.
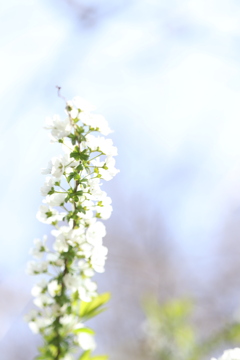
[231, 354]
[74, 204]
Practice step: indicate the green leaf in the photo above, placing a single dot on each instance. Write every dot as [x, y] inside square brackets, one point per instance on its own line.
[75, 153]
[70, 176]
[86, 355]
[79, 130]
[53, 349]
[79, 167]
[76, 176]
[99, 357]
[86, 330]
[93, 308]
[73, 138]
[83, 155]
[94, 313]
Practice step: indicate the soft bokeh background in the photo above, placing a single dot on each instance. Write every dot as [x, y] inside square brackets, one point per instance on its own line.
[166, 75]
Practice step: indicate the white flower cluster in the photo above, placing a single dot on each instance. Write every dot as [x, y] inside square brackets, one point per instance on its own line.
[232, 354]
[74, 204]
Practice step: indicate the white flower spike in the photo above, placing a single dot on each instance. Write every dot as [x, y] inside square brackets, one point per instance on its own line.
[73, 205]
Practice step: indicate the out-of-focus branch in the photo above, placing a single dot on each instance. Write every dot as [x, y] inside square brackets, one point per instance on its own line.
[87, 14]
[90, 14]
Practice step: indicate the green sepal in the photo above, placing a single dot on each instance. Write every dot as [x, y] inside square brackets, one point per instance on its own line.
[49, 214]
[52, 191]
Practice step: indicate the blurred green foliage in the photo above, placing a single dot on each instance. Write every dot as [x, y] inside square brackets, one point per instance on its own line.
[170, 333]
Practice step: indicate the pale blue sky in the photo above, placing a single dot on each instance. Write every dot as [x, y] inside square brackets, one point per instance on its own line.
[165, 74]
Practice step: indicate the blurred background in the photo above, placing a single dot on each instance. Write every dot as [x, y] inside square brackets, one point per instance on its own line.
[166, 75]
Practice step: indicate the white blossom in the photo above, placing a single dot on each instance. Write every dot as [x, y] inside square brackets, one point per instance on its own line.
[54, 259]
[60, 128]
[42, 300]
[60, 244]
[39, 323]
[104, 207]
[67, 357]
[86, 341]
[95, 121]
[87, 290]
[74, 113]
[94, 188]
[57, 167]
[101, 144]
[82, 104]
[39, 287]
[54, 288]
[31, 316]
[48, 185]
[55, 199]
[39, 248]
[95, 233]
[98, 258]
[48, 169]
[85, 267]
[108, 171]
[48, 215]
[231, 354]
[86, 250]
[34, 267]
[72, 282]
[68, 320]
[77, 236]
[63, 238]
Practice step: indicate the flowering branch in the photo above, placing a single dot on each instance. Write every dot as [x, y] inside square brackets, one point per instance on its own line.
[67, 296]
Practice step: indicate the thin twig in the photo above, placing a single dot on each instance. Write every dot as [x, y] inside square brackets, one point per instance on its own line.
[59, 93]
